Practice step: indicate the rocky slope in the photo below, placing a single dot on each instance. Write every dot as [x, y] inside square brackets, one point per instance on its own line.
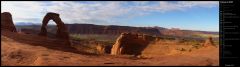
[24, 49]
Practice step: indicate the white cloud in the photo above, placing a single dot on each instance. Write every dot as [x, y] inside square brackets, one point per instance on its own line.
[207, 4]
[164, 6]
[22, 10]
[93, 11]
[84, 13]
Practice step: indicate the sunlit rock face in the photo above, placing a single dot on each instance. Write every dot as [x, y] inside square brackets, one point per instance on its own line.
[132, 44]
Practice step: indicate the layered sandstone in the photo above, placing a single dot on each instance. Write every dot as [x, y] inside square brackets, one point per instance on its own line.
[131, 43]
[62, 31]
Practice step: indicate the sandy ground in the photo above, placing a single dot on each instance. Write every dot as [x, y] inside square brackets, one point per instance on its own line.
[26, 49]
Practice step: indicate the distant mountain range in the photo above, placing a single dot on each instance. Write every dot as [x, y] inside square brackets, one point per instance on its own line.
[110, 29]
[26, 23]
[116, 30]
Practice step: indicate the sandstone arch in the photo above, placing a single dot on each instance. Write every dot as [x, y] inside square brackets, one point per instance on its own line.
[7, 22]
[62, 31]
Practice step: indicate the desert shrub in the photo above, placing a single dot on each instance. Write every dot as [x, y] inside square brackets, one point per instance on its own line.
[181, 49]
[182, 40]
[189, 50]
[196, 45]
[92, 43]
[95, 37]
[76, 37]
[194, 42]
[216, 43]
[165, 37]
[205, 35]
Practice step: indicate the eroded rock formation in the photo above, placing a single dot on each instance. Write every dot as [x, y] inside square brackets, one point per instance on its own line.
[208, 42]
[62, 31]
[130, 43]
[100, 49]
[7, 22]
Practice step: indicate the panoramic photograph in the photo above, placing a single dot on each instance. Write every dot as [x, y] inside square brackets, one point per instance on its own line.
[109, 33]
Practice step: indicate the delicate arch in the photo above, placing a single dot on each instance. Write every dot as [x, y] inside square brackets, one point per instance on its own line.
[61, 28]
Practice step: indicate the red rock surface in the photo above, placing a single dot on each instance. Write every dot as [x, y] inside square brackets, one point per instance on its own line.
[7, 22]
[130, 43]
[62, 31]
[208, 42]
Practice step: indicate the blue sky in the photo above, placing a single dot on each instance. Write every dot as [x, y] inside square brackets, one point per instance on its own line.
[190, 15]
